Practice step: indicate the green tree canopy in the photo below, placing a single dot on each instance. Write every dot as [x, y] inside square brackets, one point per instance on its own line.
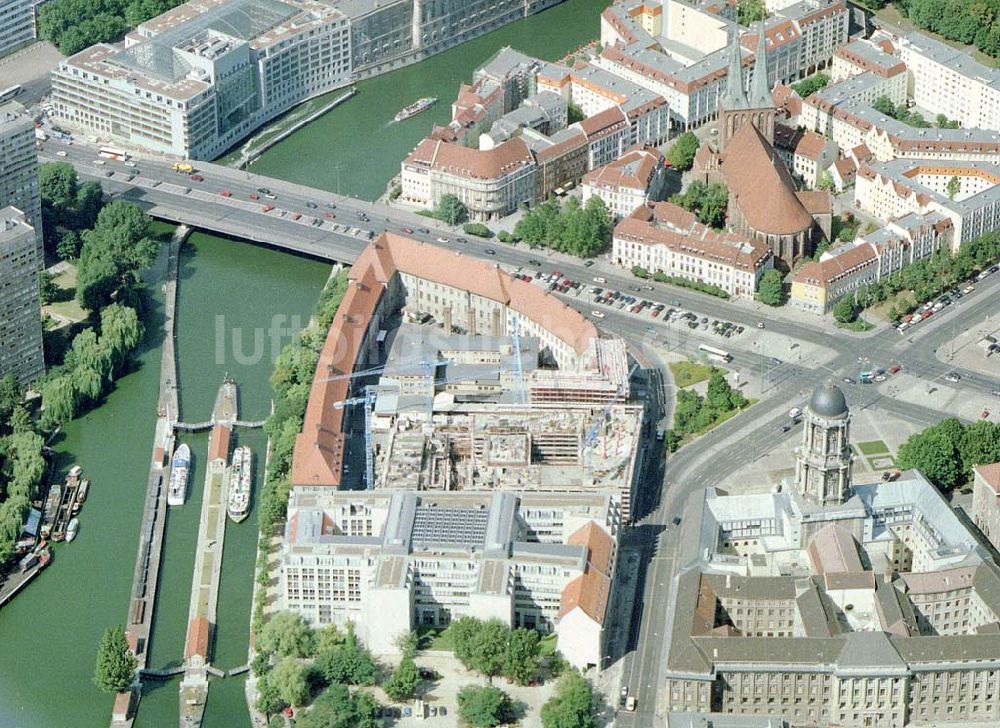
[520, 662]
[682, 151]
[287, 634]
[337, 708]
[402, 684]
[572, 705]
[115, 668]
[845, 311]
[349, 663]
[771, 290]
[290, 679]
[451, 210]
[484, 706]
[808, 86]
[707, 201]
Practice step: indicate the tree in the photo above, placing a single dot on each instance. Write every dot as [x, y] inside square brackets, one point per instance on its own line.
[348, 663]
[407, 643]
[57, 184]
[954, 187]
[290, 679]
[808, 86]
[484, 706]
[116, 664]
[451, 210]
[844, 310]
[337, 708]
[268, 698]
[69, 245]
[682, 151]
[980, 445]
[47, 289]
[826, 182]
[89, 200]
[521, 658]
[59, 400]
[572, 705]
[574, 113]
[935, 452]
[720, 394]
[402, 684]
[771, 290]
[751, 11]
[884, 105]
[287, 634]
[671, 440]
[707, 201]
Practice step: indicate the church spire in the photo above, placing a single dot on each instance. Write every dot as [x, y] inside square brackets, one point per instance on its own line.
[735, 97]
[760, 91]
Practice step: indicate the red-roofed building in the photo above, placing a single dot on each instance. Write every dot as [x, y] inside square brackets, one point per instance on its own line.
[628, 182]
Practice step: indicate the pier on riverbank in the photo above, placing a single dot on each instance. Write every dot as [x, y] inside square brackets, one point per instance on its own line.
[142, 600]
[208, 562]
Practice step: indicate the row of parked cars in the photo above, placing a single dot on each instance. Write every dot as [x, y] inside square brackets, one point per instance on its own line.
[930, 308]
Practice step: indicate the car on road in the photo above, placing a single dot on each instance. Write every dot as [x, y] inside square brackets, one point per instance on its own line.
[423, 231]
[880, 378]
[677, 520]
[331, 205]
[597, 314]
[264, 190]
[533, 261]
[408, 231]
[587, 263]
[894, 368]
[967, 290]
[267, 208]
[226, 193]
[99, 162]
[329, 215]
[786, 428]
[442, 240]
[461, 240]
[60, 153]
[197, 178]
[311, 205]
[952, 377]
[624, 694]
[760, 324]
[794, 412]
[254, 196]
[109, 173]
[270, 196]
[995, 392]
[848, 380]
[600, 279]
[130, 164]
[775, 361]
[630, 704]
[490, 251]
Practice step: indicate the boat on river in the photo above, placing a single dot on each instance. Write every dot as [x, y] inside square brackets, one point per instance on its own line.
[180, 467]
[240, 483]
[415, 108]
[72, 528]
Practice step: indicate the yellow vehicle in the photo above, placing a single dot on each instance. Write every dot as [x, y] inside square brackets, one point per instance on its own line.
[183, 167]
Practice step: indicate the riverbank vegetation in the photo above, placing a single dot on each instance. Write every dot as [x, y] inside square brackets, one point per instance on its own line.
[22, 465]
[581, 230]
[291, 382]
[946, 452]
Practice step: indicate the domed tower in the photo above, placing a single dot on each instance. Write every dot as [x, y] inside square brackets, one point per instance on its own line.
[823, 462]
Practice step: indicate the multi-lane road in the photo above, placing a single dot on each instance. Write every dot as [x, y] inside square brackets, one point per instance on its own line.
[222, 202]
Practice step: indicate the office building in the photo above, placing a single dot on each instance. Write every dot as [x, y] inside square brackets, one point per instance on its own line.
[202, 76]
[17, 26]
[20, 313]
[19, 168]
[395, 562]
[833, 602]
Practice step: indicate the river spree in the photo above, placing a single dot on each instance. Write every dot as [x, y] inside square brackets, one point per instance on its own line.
[237, 305]
[49, 634]
[356, 148]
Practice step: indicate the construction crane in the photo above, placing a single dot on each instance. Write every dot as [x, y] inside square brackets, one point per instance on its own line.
[369, 402]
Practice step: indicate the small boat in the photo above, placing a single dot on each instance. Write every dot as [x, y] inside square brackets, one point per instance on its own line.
[81, 494]
[179, 467]
[415, 108]
[240, 484]
[75, 471]
[72, 528]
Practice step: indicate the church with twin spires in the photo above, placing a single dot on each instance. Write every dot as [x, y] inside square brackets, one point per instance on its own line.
[763, 199]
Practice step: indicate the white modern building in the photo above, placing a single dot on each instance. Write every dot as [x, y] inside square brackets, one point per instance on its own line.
[17, 25]
[200, 77]
[20, 313]
[393, 562]
[19, 167]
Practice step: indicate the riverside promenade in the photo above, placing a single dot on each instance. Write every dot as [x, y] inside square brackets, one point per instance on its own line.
[142, 599]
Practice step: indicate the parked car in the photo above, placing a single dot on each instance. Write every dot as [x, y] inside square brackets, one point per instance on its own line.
[226, 193]
[597, 314]
[197, 178]
[490, 251]
[760, 324]
[952, 377]
[408, 231]
[311, 205]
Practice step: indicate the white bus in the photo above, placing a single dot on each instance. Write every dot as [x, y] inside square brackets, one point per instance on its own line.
[112, 153]
[714, 354]
[8, 93]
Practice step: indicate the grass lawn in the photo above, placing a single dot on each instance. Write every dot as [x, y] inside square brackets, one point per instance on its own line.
[874, 464]
[687, 373]
[66, 307]
[881, 310]
[873, 447]
[857, 325]
[547, 645]
[430, 638]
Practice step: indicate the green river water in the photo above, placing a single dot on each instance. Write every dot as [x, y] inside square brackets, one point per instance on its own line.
[49, 633]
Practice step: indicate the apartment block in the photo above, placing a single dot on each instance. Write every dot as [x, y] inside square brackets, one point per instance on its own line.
[17, 25]
[986, 500]
[394, 562]
[663, 237]
[949, 81]
[632, 180]
[19, 168]
[20, 312]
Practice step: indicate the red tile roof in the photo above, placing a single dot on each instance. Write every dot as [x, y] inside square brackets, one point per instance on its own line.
[218, 443]
[470, 163]
[591, 590]
[989, 473]
[197, 638]
[319, 448]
